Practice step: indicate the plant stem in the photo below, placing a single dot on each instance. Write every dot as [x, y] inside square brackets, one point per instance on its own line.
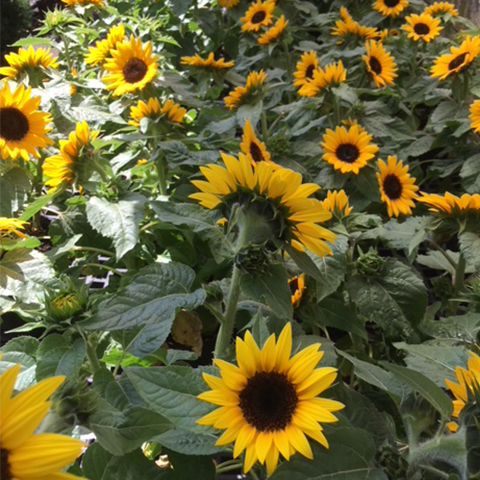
[162, 175]
[105, 267]
[91, 355]
[253, 475]
[65, 46]
[92, 249]
[264, 126]
[288, 67]
[119, 362]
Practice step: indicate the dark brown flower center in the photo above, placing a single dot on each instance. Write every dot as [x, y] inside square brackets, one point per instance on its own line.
[391, 3]
[293, 284]
[268, 401]
[421, 29]
[134, 70]
[309, 71]
[13, 124]
[456, 62]
[347, 153]
[4, 465]
[392, 187]
[256, 152]
[375, 65]
[259, 17]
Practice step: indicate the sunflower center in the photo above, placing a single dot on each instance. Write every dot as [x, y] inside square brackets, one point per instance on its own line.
[134, 70]
[375, 65]
[309, 71]
[255, 152]
[268, 402]
[293, 284]
[13, 124]
[4, 465]
[391, 3]
[421, 29]
[456, 62]
[392, 187]
[347, 153]
[259, 17]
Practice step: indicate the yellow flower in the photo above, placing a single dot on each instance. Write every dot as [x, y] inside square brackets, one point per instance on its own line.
[347, 25]
[458, 58]
[397, 187]
[333, 74]
[154, 110]
[142, 161]
[422, 27]
[475, 116]
[259, 13]
[210, 62]
[449, 204]
[293, 216]
[441, 7]
[468, 383]
[24, 455]
[380, 64]
[240, 94]
[253, 148]
[83, 2]
[102, 48]
[305, 68]
[228, 3]
[297, 287]
[22, 127]
[390, 8]
[25, 60]
[337, 203]
[12, 225]
[132, 67]
[268, 403]
[71, 87]
[274, 32]
[348, 150]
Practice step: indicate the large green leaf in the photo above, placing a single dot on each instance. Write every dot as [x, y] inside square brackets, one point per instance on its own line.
[470, 247]
[14, 188]
[459, 327]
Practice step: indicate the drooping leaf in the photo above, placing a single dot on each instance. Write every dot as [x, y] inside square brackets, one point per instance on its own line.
[14, 188]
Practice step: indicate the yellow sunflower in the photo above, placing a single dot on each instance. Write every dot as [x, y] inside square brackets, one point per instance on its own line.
[333, 74]
[259, 13]
[72, 89]
[25, 455]
[101, 50]
[458, 58]
[12, 225]
[347, 25]
[468, 384]
[279, 195]
[422, 27]
[474, 116]
[26, 60]
[154, 109]
[132, 67]
[449, 204]
[253, 148]
[337, 203]
[228, 3]
[71, 166]
[390, 8]
[268, 403]
[397, 187]
[297, 287]
[22, 127]
[305, 68]
[441, 7]
[274, 32]
[348, 150]
[70, 3]
[210, 62]
[241, 94]
[380, 64]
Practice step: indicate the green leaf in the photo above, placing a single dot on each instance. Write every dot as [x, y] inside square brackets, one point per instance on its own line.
[26, 42]
[95, 461]
[436, 260]
[184, 441]
[117, 221]
[14, 188]
[63, 248]
[28, 345]
[470, 247]
[460, 327]
[71, 363]
[419, 146]
[190, 466]
[49, 354]
[37, 205]
[304, 263]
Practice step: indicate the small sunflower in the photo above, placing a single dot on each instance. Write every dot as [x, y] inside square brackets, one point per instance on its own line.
[268, 403]
[458, 58]
[278, 195]
[258, 14]
[468, 384]
[348, 150]
[441, 7]
[253, 148]
[70, 3]
[474, 116]
[305, 68]
[390, 8]
[154, 109]
[333, 74]
[297, 287]
[24, 61]
[210, 62]
[12, 225]
[228, 3]
[274, 32]
[101, 50]
[449, 204]
[422, 27]
[24, 454]
[241, 94]
[132, 67]
[22, 127]
[380, 64]
[397, 187]
[347, 25]
[337, 203]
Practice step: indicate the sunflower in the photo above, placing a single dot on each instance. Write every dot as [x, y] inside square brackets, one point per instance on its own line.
[305, 68]
[154, 109]
[278, 195]
[449, 204]
[333, 74]
[380, 64]
[70, 3]
[72, 89]
[102, 48]
[468, 385]
[474, 116]
[348, 150]
[441, 7]
[422, 27]
[22, 127]
[253, 148]
[28, 60]
[240, 94]
[337, 203]
[297, 287]
[24, 455]
[268, 403]
[210, 62]
[12, 225]
[71, 166]
[458, 58]
[258, 14]
[347, 25]
[390, 8]
[228, 3]
[397, 187]
[274, 32]
[132, 67]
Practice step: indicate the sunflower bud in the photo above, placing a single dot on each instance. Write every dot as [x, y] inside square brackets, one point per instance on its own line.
[370, 264]
[67, 303]
[252, 259]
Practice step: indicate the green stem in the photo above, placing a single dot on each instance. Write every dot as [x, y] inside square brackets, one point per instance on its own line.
[465, 87]
[148, 225]
[229, 468]
[92, 356]
[288, 68]
[39, 179]
[253, 475]
[105, 267]
[67, 54]
[162, 175]
[336, 110]
[119, 362]
[264, 126]
[92, 249]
